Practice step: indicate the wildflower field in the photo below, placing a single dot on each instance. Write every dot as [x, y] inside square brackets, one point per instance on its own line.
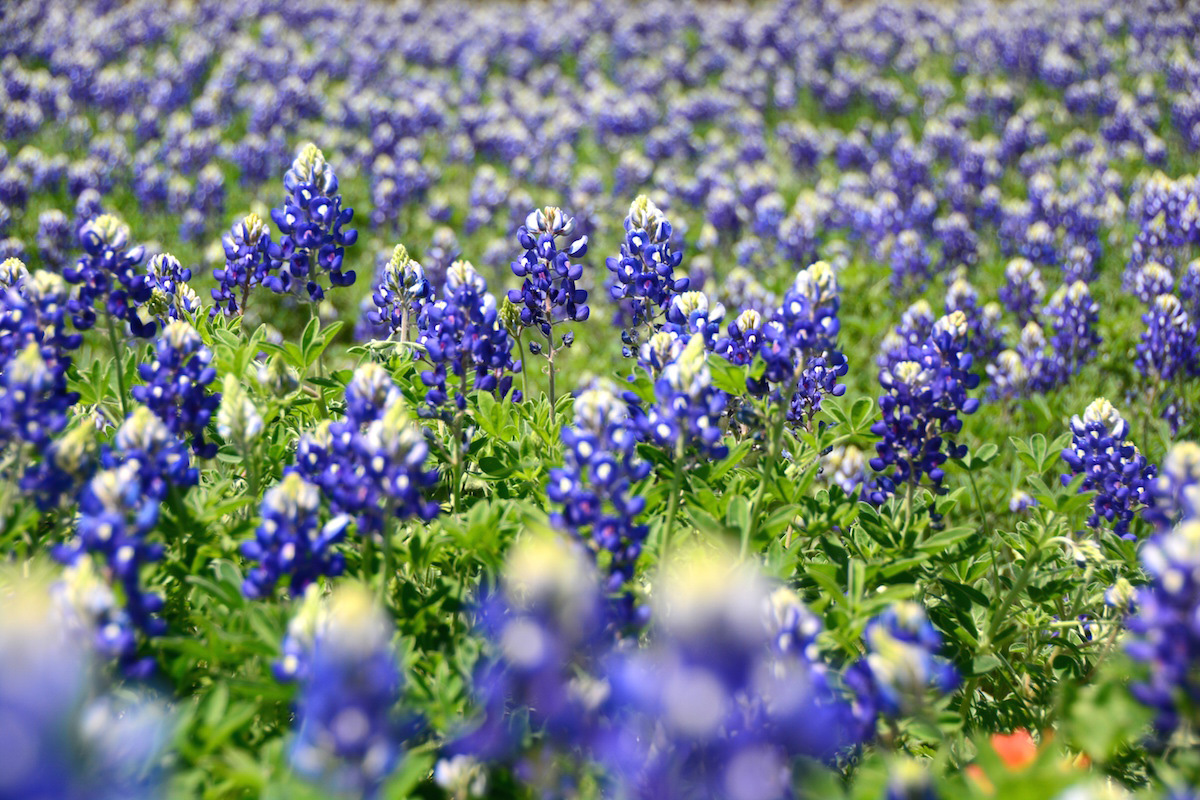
[592, 399]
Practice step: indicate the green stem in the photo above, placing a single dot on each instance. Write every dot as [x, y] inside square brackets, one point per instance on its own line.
[385, 577]
[550, 370]
[459, 455]
[760, 494]
[524, 373]
[673, 504]
[115, 344]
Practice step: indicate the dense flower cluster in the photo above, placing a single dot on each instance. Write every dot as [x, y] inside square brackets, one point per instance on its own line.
[1168, 348]
[643, 275]
[108, 272]
[464, 340]
[688, 408]
[399, 294]
[1110, 464]
[549, 293]
[250, 261]
[177, 385]
[312, 241]
[730, 693]
[594, 486]
[924, 395]
[370, 464]
[1023, 290]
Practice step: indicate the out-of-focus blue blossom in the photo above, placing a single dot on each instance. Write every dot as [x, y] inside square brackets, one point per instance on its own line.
[902, 664]
[1174, 494]
[1163, 634]
[339, 650]
[54, 237]
[1023, 291]
[1074, 317]
[312, 241]
[117, 512]
[985, 336]
[1111, 466]
[1151, 280]
[67, 736]
[177, 385]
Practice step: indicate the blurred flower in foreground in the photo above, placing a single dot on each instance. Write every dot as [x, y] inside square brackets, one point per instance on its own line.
[339, 648]
[63, 736]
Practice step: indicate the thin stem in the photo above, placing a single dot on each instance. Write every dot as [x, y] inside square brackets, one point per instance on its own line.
[386, 575]
[550, 369]
[120, 364]
[459, 455]
[524, 375]
[673, 505]
[760, 494]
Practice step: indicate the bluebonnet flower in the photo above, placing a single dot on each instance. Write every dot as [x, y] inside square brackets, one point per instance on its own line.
[643, 275]
[1189, 289]
[54, 237]
[12, 272]
[33, 398]
[1174, 494]
[371, 464]
[985, 336]
[743, 338]
[729, 694]
[339, 650]
[290, 541]
[1039, 244]
[688, 408]
[909, 779]
[690, 313]
[1008, 374]
[310, 221]
[1150, 280]
[1078, 265]
[1073, 316]
[69, 737]
[1168, 348]
[1023, 291]
[250, 259]
[161, 458]
[108, 272]
[66, 464]
[548, 293]
[924, 396]
[170, 296]
[117, 512]
[902, 664]
[909, 259]
[399, 293]
[1162, 629]
[177, 385]
[594, 487]
[544, 625]
[1111, 466]
[462, 334]
[845, 466]
[1020, 500]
